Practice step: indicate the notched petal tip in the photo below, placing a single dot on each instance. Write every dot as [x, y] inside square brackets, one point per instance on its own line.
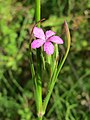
[38, 33]
[49, 33]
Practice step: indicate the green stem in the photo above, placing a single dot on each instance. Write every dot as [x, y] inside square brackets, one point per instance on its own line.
[39, 118]
[57, 70]
[49, 93]
[39, 81]
[37, 12]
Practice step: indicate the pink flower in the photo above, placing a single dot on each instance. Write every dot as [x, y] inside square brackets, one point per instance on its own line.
[45, 39]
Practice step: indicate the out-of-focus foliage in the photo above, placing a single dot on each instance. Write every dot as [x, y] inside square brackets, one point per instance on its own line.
[15, 20]
[71, 97]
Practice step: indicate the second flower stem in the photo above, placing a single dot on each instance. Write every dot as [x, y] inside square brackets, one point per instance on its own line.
[39, 79]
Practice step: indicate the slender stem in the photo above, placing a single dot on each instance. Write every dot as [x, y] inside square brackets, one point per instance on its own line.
[49, 93]
[39, 81]
[37, 11]
[39, 118]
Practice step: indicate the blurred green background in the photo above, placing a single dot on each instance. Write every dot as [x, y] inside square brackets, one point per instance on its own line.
[71, 96]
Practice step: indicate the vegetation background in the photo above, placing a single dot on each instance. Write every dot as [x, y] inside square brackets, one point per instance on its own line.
[71, 96]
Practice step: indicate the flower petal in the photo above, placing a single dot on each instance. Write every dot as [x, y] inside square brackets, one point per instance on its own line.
[38, 33]
[37, 43]
[49, 48]
[56, 39]
[49, 33]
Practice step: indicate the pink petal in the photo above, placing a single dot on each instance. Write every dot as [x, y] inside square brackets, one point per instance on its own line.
[49, 33]
[56, 39]
[49, 48]
[38, 33]
[37, 43]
